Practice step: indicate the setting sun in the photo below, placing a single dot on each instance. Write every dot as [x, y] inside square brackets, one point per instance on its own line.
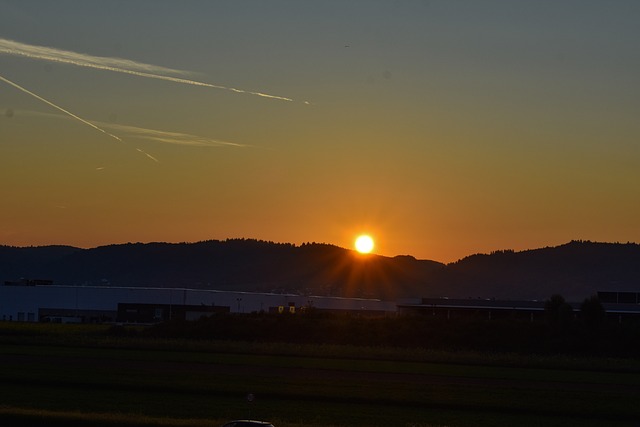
[364, 244]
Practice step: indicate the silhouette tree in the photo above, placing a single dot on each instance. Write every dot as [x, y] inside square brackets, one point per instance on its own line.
[557, 311]
[592, 312]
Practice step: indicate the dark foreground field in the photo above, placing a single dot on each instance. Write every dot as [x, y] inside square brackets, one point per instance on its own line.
[78, 375]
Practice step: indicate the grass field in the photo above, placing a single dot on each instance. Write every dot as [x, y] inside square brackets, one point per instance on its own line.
[75, 375]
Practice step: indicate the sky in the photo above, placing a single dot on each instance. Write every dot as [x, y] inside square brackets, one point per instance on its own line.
[440, 128]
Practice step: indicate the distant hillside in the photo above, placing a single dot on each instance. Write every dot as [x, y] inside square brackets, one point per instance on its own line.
[575, 270]
[237, 264]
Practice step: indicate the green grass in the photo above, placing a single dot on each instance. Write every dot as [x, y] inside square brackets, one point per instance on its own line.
[66, 374]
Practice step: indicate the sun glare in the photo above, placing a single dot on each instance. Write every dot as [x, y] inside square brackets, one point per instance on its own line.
[364, 244]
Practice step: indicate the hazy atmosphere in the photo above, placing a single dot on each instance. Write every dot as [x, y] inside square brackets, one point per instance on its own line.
[441, 128]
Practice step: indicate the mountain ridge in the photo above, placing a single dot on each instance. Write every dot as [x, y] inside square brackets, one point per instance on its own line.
[576, 270]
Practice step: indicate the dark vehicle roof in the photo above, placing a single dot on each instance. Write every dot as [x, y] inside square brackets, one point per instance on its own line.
[247, 423]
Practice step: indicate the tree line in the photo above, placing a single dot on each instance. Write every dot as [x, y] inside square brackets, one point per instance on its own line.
[589, 333]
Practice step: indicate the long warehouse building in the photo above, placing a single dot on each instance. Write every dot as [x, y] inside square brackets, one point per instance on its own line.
[45, 302]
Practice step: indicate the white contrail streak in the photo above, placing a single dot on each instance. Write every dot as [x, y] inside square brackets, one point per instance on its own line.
[148, 155]
[117, 65]
[196, 83]
[12, 47]
[86, 122]
[168, 137]
[70, 114]
[128, 132]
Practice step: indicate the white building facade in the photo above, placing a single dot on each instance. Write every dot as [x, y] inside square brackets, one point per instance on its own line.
[101, 303]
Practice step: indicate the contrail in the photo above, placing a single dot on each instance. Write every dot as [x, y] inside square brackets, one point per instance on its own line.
[148, 155]
[128, 132]
[70, 114]
[196, 83]
[12, 47]
[117, 65]
[88, 123]
[168, 137]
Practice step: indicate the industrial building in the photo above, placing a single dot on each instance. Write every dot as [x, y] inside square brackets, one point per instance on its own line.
[617, 305]
[36, 302]
[486, 309]
[42, 301]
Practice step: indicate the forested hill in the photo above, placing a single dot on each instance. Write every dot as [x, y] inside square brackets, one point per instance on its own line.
[575, 270]
[235, 264]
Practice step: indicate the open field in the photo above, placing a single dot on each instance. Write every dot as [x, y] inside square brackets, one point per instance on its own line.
[68, 374]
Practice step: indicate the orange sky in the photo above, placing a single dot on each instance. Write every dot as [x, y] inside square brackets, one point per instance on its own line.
[442, 129]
